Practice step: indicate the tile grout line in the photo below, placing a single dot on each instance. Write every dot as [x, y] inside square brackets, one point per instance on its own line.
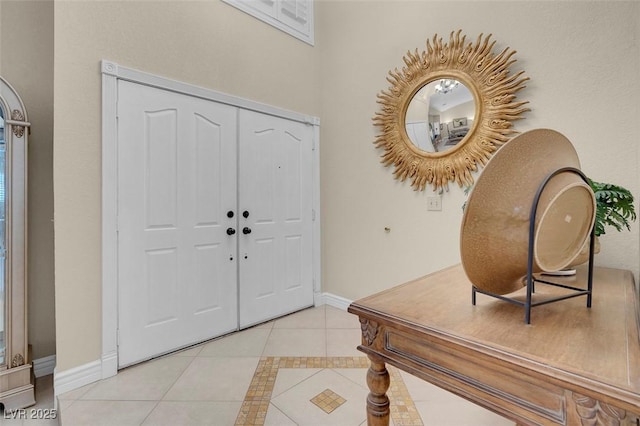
[174, 382]
[258, 397]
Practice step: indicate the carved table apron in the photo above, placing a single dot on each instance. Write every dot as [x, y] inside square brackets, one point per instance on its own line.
[573, 365]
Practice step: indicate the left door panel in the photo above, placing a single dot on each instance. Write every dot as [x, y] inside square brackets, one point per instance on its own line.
[177, 266]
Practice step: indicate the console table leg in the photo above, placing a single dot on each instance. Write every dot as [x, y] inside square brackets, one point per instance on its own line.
[378, 381]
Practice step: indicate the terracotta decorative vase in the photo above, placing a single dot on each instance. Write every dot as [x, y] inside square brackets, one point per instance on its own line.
[583, 257]
[494, 239]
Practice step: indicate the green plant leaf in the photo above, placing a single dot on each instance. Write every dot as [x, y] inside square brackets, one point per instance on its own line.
[614, 207]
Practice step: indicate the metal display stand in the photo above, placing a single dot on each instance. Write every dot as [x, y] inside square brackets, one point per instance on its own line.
[531, 280]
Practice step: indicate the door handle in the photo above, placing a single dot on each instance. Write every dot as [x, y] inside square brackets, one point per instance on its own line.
[245, 214]
[246, 230]
[231, 231]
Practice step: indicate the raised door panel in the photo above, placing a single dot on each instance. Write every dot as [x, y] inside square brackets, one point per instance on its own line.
[176, 180]
[275, 189]
[212, 184]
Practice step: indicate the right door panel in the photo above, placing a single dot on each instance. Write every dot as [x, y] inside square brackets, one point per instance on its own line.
[275, 195]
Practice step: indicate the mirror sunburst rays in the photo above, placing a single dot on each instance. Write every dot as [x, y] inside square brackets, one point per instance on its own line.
[486, 74]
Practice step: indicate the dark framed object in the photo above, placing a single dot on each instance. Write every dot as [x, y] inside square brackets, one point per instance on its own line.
[459, 122]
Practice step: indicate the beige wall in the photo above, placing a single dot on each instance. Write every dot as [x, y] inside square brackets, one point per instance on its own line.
[209, 44]
[572, 51]
[26, 61]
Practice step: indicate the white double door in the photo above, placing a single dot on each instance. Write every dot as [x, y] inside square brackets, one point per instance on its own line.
[214, 219]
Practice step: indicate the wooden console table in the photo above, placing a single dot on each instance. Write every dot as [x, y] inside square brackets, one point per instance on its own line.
[572, 366]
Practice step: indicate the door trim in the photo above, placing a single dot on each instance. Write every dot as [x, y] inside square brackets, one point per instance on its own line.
[111, 73]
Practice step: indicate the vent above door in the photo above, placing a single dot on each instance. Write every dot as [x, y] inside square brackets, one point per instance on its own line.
[295, 17]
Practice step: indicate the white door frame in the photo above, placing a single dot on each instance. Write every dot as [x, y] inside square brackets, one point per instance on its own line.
[111, 73]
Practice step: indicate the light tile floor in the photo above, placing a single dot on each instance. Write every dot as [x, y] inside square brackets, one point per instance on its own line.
[268, 374]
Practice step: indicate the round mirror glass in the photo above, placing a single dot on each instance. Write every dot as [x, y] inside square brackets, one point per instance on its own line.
[440, 115]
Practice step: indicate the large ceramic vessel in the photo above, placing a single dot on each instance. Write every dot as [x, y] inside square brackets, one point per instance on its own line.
[494, 239]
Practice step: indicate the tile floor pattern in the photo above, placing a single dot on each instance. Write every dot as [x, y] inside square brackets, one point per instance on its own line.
[257, 400]
[268, 374]
[328, 400]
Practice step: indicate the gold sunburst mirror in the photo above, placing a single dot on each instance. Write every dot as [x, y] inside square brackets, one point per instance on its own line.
[448, 109]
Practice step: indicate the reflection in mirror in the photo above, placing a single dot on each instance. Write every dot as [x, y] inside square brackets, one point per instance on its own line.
[431, 145]
[440, 115]
[2, 240]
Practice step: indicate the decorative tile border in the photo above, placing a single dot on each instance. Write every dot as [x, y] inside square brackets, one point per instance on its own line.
[256, 401]
[403, 410]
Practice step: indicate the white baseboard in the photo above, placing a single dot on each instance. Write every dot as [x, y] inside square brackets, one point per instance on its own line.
[332, 300]
[109, 365]
[74, 378]
[44, 366]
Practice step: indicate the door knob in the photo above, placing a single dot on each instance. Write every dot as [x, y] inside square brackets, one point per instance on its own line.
[231, 231]
[245, 214]
[230, 214]
[246, 230]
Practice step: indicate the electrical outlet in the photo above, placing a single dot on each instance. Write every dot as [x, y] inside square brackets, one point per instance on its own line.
[434, 203]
